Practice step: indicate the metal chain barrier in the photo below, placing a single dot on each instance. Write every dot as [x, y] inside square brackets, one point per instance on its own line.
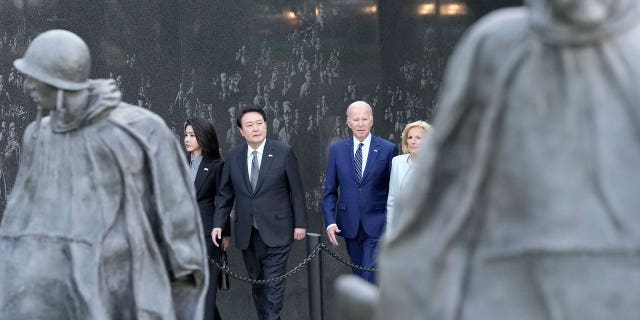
[320, 247]
[343, 260]
[299, 267]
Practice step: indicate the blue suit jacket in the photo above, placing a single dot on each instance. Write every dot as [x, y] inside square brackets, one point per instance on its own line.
[347, 203]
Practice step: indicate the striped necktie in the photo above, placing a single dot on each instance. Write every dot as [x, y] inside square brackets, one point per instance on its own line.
[357, 162]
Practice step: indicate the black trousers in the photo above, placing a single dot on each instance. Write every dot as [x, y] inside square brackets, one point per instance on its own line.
[264, 262]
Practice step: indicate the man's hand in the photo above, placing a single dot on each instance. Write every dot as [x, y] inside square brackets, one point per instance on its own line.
[299, 233]
[216, 234]
[331, 233]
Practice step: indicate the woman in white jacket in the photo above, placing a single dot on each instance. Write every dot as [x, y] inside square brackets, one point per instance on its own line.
[402, 165]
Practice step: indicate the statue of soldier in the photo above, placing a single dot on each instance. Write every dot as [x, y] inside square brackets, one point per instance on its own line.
[526, 203]
[101, 222]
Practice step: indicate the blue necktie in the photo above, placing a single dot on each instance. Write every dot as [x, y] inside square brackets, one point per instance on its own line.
[357, 162]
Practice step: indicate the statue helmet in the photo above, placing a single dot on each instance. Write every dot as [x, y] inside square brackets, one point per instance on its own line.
[58, 58]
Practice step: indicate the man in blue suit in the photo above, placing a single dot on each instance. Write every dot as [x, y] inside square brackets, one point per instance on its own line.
[356, 188]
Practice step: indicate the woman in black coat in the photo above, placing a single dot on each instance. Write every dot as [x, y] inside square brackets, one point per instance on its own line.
[205, 167]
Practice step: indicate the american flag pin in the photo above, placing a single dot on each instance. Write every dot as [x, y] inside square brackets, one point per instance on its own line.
[206, 169]
[270, 155]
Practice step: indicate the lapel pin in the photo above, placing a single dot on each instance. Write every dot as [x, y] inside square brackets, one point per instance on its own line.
[206, 169]
[375, 150]
[270, 155]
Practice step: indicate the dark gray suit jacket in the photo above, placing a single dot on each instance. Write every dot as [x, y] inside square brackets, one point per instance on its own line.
[278, 203]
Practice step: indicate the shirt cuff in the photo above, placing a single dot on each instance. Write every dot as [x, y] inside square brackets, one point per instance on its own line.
[329, 226]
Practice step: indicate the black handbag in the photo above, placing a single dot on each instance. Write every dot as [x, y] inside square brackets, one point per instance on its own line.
[223, 277]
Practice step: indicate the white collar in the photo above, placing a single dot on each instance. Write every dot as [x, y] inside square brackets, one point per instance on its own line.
[260, 148]
[366, 141]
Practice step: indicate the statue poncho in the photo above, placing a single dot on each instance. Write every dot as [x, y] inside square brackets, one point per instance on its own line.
[526, 203]
[102, 222]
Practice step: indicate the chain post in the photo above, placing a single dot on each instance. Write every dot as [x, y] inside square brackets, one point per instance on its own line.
[315, 278]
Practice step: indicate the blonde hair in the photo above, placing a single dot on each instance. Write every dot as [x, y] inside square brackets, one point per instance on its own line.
[405, 132]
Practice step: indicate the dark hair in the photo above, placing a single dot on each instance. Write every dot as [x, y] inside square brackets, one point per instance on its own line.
[250, 109]
[206, 137]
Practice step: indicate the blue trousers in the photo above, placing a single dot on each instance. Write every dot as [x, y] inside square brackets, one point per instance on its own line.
[363, 250]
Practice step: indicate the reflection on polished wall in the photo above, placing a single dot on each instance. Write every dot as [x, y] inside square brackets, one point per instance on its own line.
[303, 61]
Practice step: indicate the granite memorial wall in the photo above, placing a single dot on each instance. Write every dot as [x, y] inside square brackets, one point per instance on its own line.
[303, 61]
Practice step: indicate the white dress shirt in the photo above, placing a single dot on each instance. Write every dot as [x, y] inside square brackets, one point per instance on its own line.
[258, 156]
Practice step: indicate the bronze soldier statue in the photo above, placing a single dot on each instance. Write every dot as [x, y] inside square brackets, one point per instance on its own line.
[102, 222]
[525, 205]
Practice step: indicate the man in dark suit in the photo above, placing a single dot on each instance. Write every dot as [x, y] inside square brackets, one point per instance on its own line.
[355, 196]
[261, 177]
